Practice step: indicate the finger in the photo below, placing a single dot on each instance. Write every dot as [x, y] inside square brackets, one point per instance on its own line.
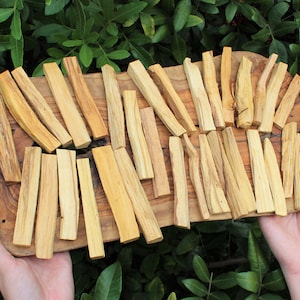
[6, 259]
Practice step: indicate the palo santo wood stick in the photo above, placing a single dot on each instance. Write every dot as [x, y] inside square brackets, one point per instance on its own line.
[116, 121]
[68, 193]
[297, 175]
[199, 96]
[142, 208]
[115, 191]
[41, 107]
[141, 156]
[47, 207]
[212, 89]
[263, 195]
[181, 200]
[24, 115]
[172, 97]
[150, 91]
[28, 196]
[261, 90]
[161, 186]
[274, 177]
[84, 98]
[90, 210]
[66, 105]
[194, 171]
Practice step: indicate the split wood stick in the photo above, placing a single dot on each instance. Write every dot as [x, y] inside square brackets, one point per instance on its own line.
[47, 207]
[174, 101]
[238, 168]
[41, 107]
[274, 177]
[116, 121]
[261, 90]
[115, 191]
[24, 115]
[199, 96]
[28, 196]
[243, 94]
[90, 210]
[150, 91]
[9, 163]
[212, 89]
[84, 98]
[214, 194]
[287, 103]
[67, 107]
[194, 171]
[161, 186]
[141, 156]
[297, 175]
[141, 205]
[181, 199]
[273, 88]
[68, 193]
[262, 191]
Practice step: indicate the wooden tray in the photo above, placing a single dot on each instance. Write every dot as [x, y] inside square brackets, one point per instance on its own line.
[162, 207]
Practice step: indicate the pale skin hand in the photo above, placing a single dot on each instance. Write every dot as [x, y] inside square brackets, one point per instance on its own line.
[36, 279]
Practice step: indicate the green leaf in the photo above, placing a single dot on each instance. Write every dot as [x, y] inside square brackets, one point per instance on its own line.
[277, 12]
[148, 24]
[178, 48]
[225, 280]
[228, 39]
[4, 42]
[230, 11]
[149, 265]
[200, 268]
[86, 55]
[72, 43]
[248, 281]
[278, 47]
[194, 20]
[55, 53]
[142, 54]
[126, 11]
[218, 295]
[15, 25]
[50, 31]
[17, 51]
[189, 242]
[274, 281]
[182, 11]
[296, 5]
[118, 54]
[85, 296]
[160, 34]
[172, 296]
[55, 6]
[195, 286]
[271, 297]
[155, 289]
[262, 35]
[284, 28]
[5, 13]
[112, 29]
[254, 46]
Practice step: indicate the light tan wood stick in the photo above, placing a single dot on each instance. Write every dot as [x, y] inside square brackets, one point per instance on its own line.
[262, 191]
[141, 156]
[84, 98]
[141, 205]
[199, 96]
[28, 196]
[9, 163]
[244, 95]
[212, 89]
[174, 101]
[287, 103]
[115, 191]
[181, 200]
[68, 193]
[47, 207]
[274, 176]
[297, 175]
[116, 120]
[24, 115]
[66, 105]
[273, 88]
[238, 168]
[90, 210]
[261, 90]
[194, 171]
[150, 91]
[41, 107]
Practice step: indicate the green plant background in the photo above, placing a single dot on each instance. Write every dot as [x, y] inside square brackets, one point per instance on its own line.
[214, 260]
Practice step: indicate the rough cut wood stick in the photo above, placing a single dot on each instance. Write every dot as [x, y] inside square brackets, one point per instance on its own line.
[47, 207]
[194, 171]
[116, 121]
[150, 91]
[28, 195]
[263, 195]
[41, 107]
[68, 193]
[297, 175]
[84, 98]
[273, 88]
[261, 90]
[181, 200]
[66, 105]
[90, 210]
[141, 156]
[274, 177]
[141, 205]
[115, 191]
[199, 96]
[174, 101]
[24, 115]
